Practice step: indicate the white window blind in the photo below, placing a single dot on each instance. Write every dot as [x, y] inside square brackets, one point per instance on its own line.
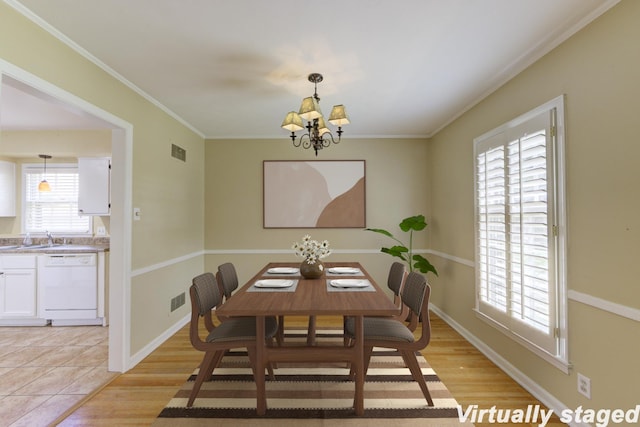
[518, 249]
[55, 211]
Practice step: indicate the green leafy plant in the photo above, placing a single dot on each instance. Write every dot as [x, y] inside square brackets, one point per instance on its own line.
[418, 262]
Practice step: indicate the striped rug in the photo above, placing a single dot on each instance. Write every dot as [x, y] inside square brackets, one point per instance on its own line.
[320, 395]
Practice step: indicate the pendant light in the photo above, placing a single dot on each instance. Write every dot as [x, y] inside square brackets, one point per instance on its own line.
[44, 185]
[318, 135]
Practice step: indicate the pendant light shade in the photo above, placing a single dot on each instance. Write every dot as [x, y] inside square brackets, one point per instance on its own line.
[44, 185]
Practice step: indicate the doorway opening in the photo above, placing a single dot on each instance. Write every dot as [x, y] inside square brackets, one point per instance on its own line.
[60, 108]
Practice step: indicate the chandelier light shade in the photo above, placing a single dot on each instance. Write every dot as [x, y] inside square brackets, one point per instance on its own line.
[338, 116]
[44, 185]
[318, 135]
[292, 122]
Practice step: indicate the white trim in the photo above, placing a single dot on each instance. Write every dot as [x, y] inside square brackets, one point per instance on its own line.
[602, 304]
[453, 258]
[167, 263]
[290, 251]
[20, 8]
[518, 376]
[149, 348]
[563, 365]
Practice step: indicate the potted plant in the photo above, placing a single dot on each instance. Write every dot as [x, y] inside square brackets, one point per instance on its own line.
[418, 262]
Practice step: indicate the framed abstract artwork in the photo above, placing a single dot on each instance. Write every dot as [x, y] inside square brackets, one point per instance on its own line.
[314, 194]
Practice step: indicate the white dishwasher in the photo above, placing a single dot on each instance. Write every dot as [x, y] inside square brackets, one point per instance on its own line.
[68, 285]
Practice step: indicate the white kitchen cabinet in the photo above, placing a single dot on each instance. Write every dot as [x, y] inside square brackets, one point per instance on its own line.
[18, 290]
[7, 189]
[94, 191]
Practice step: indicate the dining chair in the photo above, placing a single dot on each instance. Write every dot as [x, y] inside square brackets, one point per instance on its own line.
[393, 333]
[395, 281]
[230, 334]
[227, 278]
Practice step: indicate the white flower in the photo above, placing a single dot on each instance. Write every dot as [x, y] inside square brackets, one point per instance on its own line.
[311, 250]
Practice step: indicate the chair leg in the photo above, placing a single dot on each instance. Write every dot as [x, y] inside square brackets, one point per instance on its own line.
[347, 341]
[209, 362]
[280, 333]
[411, 361]
[368, 351]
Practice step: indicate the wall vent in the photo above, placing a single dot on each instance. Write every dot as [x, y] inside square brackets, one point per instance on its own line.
[177, 302]
[178, 152]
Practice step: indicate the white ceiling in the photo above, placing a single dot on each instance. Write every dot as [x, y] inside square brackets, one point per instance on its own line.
[232, 69]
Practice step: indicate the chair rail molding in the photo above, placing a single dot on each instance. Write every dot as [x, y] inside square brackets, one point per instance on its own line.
[603, 304]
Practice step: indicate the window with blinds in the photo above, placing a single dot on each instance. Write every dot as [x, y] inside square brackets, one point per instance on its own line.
[55, 211]
[519, 250]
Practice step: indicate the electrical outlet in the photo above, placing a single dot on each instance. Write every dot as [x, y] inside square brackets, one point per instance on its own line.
[584, 386]
[101, 231]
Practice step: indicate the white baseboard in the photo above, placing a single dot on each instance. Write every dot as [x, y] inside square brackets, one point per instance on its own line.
[149, 348]
[527, 383]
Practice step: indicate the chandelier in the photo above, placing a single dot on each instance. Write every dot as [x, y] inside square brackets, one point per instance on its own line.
[318, 135]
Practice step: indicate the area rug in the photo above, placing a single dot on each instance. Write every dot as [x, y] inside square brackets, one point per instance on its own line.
[313, 395]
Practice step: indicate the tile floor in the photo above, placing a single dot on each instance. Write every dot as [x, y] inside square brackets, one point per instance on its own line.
[44, 371]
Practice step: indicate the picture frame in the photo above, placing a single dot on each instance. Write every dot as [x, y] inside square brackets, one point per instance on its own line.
[314, 194]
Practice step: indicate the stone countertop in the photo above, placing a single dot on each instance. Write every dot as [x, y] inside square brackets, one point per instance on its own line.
[14, 245]
[55, 249]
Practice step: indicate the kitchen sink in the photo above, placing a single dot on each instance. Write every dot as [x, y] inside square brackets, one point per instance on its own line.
[6, 248]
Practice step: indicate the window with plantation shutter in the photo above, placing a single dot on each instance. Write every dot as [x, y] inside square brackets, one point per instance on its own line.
[519, 194]
[55, 211]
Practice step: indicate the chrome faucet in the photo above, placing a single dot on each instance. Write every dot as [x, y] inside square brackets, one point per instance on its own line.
[49, 238]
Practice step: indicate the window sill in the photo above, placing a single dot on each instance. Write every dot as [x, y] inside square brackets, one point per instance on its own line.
[560, 363]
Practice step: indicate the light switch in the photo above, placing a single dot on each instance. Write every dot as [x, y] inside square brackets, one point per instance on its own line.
[101, 231]
[136, 214]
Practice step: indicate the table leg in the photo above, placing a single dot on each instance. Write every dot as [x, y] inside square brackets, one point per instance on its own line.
[311, 331]
[358, 348]
[261, 397]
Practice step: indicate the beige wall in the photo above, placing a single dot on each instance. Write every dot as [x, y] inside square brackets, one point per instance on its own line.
[170, 193]
[396, 187]
[598, 70]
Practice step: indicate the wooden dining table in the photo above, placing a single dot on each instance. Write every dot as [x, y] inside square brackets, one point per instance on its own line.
[309, 297]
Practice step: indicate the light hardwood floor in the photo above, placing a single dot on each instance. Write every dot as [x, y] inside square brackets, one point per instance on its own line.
[136, 397]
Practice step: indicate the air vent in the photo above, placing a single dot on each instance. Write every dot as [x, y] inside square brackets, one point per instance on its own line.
[178, 152]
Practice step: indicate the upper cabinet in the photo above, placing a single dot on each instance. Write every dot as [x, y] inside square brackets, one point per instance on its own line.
[94, 191]
[7, 188]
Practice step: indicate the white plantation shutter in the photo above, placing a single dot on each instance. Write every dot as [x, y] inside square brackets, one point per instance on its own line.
[517, 219]
[55, 211]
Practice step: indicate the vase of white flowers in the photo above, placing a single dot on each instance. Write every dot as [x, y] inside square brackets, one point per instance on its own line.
[312, 252]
